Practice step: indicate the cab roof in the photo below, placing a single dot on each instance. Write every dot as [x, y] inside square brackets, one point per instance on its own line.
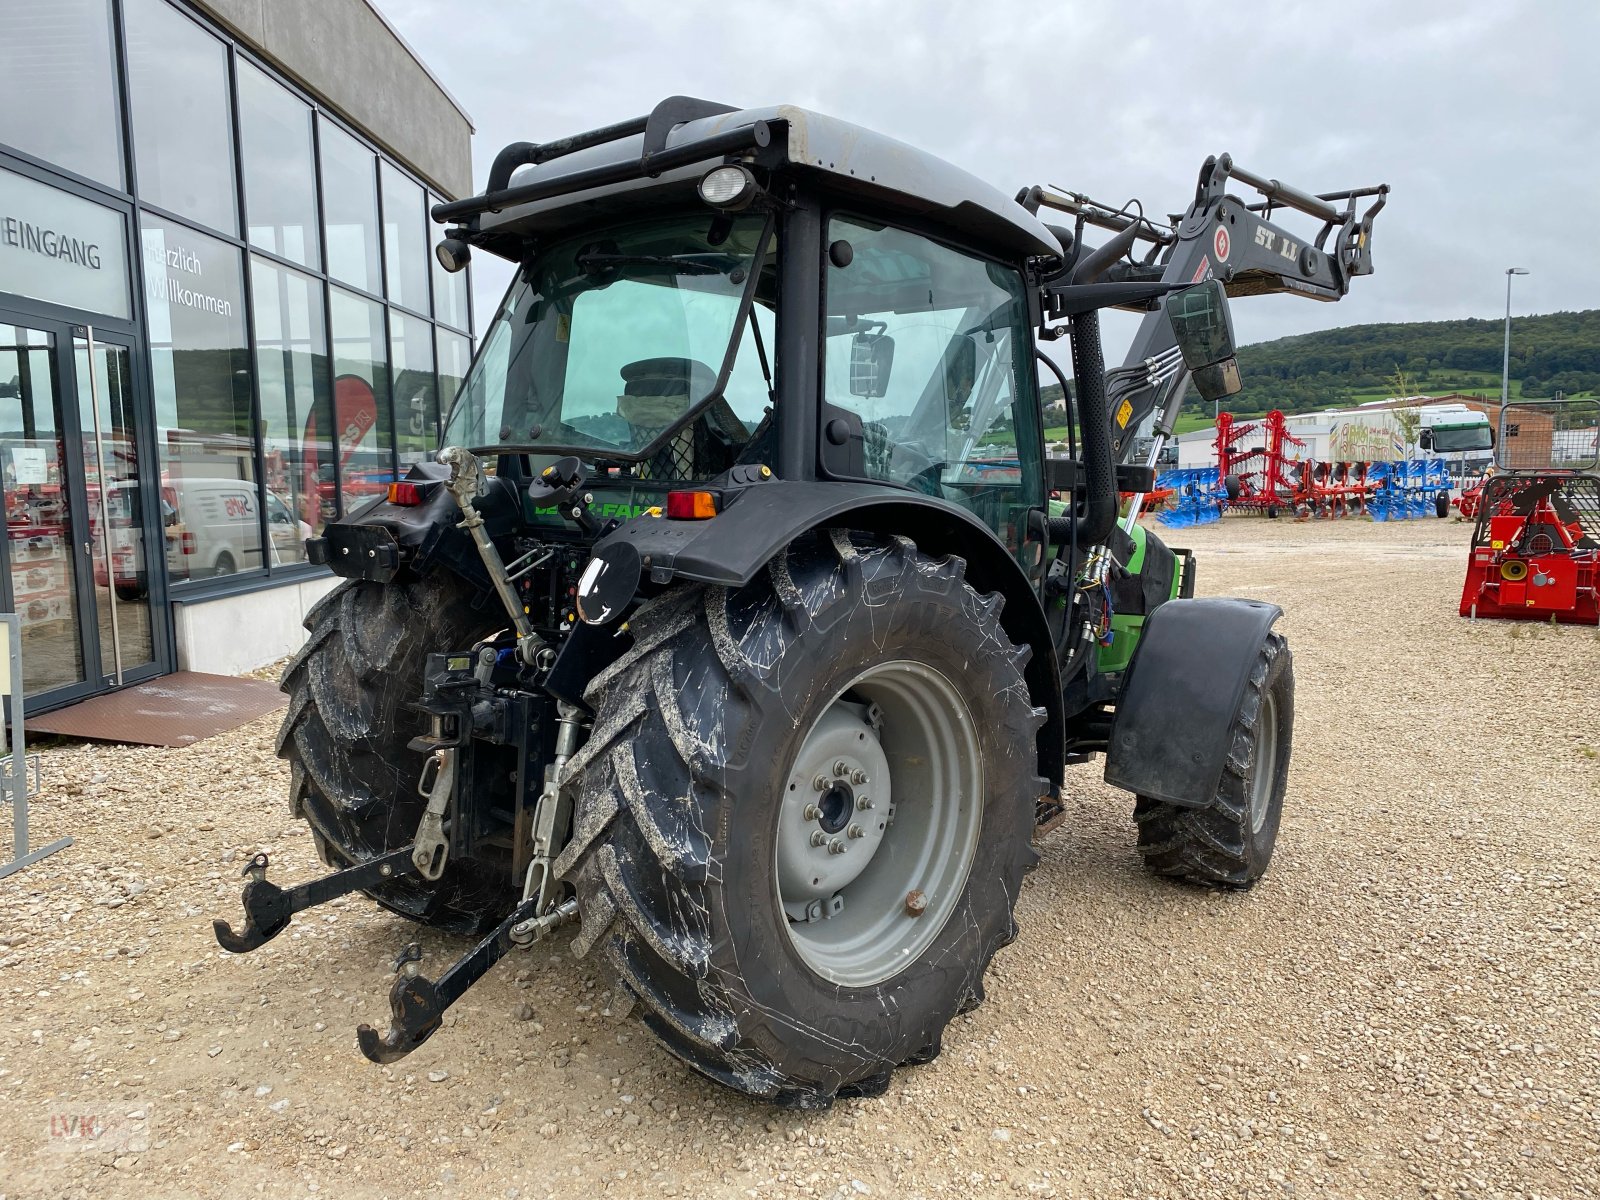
[886, 175]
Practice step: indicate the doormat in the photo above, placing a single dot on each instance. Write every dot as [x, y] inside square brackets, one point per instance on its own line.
[175, 710]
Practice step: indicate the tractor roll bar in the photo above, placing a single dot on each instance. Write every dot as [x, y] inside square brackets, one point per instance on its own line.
[757, 136]
[524, 154]
[653, 158]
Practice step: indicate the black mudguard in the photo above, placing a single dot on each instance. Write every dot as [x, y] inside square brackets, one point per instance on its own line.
[756, 522]
[1170, 736]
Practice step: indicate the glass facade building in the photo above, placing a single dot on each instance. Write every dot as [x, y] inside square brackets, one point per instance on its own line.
[221, 325]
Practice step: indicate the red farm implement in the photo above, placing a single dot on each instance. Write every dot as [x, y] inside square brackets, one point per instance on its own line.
[1262, 478]
[1536, 545]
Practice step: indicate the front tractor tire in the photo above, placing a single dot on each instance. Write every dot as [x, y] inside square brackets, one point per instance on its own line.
[1228, 842]
[805, 813]
[345, 733]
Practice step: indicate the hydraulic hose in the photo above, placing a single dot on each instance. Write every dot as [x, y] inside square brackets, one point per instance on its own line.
[1099, 510]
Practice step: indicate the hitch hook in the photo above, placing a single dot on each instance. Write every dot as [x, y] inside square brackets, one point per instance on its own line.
[417, 1004]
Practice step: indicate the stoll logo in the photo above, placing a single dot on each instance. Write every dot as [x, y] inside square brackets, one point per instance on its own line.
[98, 1128]
[51, 243]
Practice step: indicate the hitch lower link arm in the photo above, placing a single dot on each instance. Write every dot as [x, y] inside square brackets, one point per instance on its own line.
[267, 907]
[417, 1004]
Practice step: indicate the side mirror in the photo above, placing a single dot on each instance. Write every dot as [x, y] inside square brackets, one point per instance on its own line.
[871, 360]
[1203, 330]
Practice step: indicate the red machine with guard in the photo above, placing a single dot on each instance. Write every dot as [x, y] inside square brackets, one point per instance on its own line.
[1536, 544]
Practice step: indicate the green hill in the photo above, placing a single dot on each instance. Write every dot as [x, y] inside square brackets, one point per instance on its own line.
[1550, 353]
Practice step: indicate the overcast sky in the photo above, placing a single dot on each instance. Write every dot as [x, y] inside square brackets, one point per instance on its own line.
[1480, 115]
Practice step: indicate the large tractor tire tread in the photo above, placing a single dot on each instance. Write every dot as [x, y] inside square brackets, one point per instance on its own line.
[1215, 845]
[345, 732]
[653, 829]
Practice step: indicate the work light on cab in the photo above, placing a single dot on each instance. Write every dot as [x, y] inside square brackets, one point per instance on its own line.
[729, 187]
[453, 254]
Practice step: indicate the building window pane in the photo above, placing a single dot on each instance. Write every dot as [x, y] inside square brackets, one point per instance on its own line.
[405, 240]
[297, 438]
[350, 208]
[200, 362]
[416, 394]
[455, 352]
[280, 183]
[59, 75]
[365, 440]
[449, 289]
[62, 249]
[182, 140]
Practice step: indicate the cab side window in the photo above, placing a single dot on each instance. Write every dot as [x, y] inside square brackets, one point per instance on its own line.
[931, 349]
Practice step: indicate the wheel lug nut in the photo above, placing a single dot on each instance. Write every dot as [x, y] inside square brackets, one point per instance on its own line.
[821, 783]
[856, 831]
[916, 902]
[812, 812]
[858, 777]
[818, 838]
[841, 768]
[863, 802]
[837, 846]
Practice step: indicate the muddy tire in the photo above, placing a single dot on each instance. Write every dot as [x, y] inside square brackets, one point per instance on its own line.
[1229, 842]
[847, 681]
[345, 733]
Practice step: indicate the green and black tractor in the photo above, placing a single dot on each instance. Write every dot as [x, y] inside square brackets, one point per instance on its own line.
[744, 621]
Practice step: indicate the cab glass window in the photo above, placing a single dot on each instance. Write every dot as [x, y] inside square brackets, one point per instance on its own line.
[930, 347]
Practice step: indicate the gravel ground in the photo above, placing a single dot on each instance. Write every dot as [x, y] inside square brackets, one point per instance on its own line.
[1408, 1005]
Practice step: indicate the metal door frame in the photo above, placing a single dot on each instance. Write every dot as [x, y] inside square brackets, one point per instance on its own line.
[152, 533]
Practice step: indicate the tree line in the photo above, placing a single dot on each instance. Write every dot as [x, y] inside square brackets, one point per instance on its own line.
[1550, 353]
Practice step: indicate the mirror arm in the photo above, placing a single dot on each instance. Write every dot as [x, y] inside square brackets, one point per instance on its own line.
[1074, 299]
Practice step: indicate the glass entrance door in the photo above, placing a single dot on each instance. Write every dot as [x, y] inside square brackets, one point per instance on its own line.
[78, 561]
[118, 524]
[42, 558]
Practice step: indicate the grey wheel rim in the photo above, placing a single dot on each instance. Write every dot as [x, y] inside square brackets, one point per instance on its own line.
[879, 823]
[1266, 775]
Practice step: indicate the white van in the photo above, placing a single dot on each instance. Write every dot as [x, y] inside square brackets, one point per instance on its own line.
[213, 528]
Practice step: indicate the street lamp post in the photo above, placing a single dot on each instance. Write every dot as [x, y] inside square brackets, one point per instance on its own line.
[1505, 364]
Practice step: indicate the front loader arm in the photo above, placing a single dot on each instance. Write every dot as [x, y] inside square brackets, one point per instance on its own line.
[1220, 236]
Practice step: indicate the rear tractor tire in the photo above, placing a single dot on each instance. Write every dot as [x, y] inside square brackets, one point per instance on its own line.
[344, 737]
[804, 815]
[1228, 843]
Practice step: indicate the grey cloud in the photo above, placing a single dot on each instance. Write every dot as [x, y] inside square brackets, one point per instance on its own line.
[1480, 115]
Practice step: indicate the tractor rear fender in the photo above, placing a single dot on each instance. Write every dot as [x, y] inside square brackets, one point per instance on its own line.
[730, 548]
[1170, 736]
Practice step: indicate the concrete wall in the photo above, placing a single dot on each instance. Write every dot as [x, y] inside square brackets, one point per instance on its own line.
[234, 634]
[344, 52]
